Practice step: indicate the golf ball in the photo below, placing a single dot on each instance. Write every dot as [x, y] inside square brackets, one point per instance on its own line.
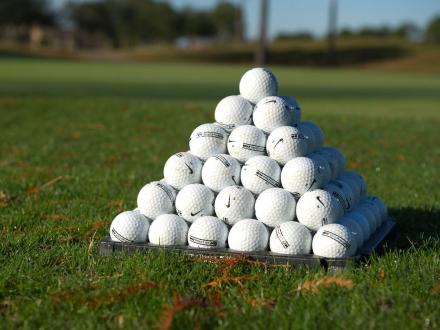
[369, 215]
[317, 133]
[360, 181]
[168, 229]
[208, 140]
[310, 137]
[286, 143]
[182, 169]
[248, 235]
[333, 241]
[347, 193]
[272, 112]
[245, 142]
[129, 227]
[295, 108]
[355, 231]
[207, 233]
[381, 206]
[300, 175]
[260, 173]
[258, 83]
[275, 206]
[194, 201]
[234, 203]
[221, 171]
[156, 198]
[361, 221]
[233, 111]
[291, 238]
[323, 167]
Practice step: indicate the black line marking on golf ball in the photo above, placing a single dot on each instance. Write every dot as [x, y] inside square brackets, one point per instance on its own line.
[340, 199]
[298, 136]
[223, 160]
[234, 180]
[324, 221]
[281, 238]
[270, 101]
[166, 190]
[311, 185]
[266, 178]
[320, 201]
[229, 202]
[201, 241]
[215, 135]
[120, 237]
[280, 140]
[336, 238]
[253, 147]
[190, 169]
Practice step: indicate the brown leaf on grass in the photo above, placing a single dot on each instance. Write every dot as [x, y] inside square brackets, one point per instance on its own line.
[6, 199]
[119, 319]
[401, 157]
[180, 303]
[436, 289]
[94, 227]
[36, 189]
[226, 278]
[381, 276]
[261, 302]
[325, 282]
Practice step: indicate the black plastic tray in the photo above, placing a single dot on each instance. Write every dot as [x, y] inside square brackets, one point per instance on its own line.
[384, 234]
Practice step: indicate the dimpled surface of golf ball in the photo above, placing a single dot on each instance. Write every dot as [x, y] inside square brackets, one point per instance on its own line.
[369, 215]
[295, 108]
[381, 205]
[355, 231]
[248, 235]
[260, 173]
[291, 238]
[361, 221]
[333, 162]
[194, 201]
[359, 179]
[275, 206]
[258, 83]
[233, 111]
[286, 143]
[245, 142]
[373, 210]
[300, 175]
[156, 198]
[182, 169]
[221, 171]
[168, 229]
[333, 241]
[208, 140]
[234, 203]
[310, 137]
[272, 112]
[347, 193]
[355, 188]
[208, 233]
[336, 154]
[317, 133]
[130, 227]
[323, 167]
[317, 208]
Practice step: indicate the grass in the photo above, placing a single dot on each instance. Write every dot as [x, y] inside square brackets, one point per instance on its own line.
[79, 139]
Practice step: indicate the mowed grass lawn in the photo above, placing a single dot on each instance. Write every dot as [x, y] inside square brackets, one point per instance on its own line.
[79, 139]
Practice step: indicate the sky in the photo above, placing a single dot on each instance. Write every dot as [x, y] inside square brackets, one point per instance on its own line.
[311, 15]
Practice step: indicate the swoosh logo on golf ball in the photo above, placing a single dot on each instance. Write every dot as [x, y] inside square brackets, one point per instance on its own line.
[229, 202]
[193, 214]
[320, 201]
[280, 140]
[189, 168]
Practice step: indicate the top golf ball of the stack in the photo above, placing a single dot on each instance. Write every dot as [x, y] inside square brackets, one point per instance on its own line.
[258, 83]
[248, 235]
[275, 206]
[295, 109]
[286, 143]
[156, 198]
[333, 241]
[233, 111]
[208, 233]
[208, 140]
[299, 175]
[182, 169]
[272, 112]
[260, 173]
[168, 229]
[193, 201]
[129, 226]
[291, 238]
[221, 171]
[245, 142]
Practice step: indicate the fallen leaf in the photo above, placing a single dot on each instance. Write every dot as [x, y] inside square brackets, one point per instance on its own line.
[180, 303]
[325, 282]
[36, 189]
[436, 289]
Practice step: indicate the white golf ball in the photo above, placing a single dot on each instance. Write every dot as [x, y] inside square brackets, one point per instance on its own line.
[208, 233]
[333, 162]
[382, 207]
[272, 112]
[286, 143]
[291, 238]
[275, 206]
[194, 201]
[129, 227]
[295, 108]
[168, 229]
[258, 83]
[317, 208]
[156, 198]
[323, 167]
[360, 219]
[369, 216]
[355, 231]
[260, 173]
[317, 133]
[233, 111]
[360, 180]
[299, 175]
[221, 171]
[355, 188]
[245, 142]
[347, 201]
[333, 241]
[234, 203]
[248, 235]
[182, 169]
[208, 140]
[309, 135]
[336, 154]
[371, 208]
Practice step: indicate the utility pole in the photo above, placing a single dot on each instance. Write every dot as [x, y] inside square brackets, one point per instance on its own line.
[332, 30]
[260, 56]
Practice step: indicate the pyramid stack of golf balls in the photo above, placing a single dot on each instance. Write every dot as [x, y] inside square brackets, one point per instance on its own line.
[257, 179]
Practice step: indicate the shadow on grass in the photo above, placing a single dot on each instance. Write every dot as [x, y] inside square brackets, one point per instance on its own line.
[416, 225]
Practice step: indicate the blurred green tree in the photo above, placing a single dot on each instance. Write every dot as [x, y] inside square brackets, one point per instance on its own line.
[25, 12]
[432, 33]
